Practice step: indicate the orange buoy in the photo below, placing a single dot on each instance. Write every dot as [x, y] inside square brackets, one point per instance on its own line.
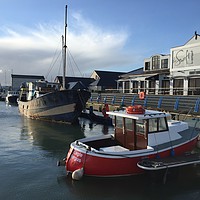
[136, 109]
[142, 95]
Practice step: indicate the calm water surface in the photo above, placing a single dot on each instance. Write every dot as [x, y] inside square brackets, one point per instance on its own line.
[29, 150]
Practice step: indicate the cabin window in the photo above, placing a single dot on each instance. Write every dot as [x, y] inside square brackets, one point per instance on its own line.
[162, 124]
[129, 124]
[153, 125]
[158, 124]
[140, 126]
[119, 122]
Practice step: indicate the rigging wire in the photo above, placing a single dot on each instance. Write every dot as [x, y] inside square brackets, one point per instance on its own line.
[54, 60]
[70, 64]
[53, 65]
[71, 56]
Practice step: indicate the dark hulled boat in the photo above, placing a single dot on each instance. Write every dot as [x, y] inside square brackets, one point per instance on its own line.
[51, 101]
[44, 100]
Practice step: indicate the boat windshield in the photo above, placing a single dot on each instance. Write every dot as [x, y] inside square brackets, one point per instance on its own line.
[157, 125]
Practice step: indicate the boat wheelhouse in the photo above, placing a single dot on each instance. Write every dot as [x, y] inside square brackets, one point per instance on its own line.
[149, 134]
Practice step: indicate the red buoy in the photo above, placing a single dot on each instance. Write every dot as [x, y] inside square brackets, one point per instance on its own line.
[142, 95]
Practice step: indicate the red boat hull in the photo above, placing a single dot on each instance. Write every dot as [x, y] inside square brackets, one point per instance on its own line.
[105, 165]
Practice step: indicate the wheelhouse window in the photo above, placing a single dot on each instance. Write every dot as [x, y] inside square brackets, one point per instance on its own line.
[157, 125]
[140, 127]
[119, 122]
[129, 124]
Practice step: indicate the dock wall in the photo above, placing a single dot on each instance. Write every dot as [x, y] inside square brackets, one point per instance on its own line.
[171, 103]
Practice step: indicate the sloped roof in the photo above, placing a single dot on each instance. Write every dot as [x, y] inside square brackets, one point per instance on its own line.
[85, 81]
[27, 76]
[133, 72]
[95, 83]
[107, 78]
[103, 74]
[193, 39]
[76, 85]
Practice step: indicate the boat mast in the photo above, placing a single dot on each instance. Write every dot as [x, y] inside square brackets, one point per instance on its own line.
[65, 49]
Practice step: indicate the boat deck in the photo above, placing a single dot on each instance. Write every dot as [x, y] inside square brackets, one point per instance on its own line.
[170, 162]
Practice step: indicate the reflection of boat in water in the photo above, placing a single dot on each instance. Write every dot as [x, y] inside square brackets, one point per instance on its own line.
[12, 97]
[139, 134]
[48, 136]
[48, 101]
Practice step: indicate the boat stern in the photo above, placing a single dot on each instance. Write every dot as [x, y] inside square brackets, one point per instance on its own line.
[75, 160]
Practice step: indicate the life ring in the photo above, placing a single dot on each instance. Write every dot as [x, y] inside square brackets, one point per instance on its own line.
[136, 109]
[142, 95]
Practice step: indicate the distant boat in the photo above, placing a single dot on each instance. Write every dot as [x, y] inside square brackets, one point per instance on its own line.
[51, 101]
[12, 97]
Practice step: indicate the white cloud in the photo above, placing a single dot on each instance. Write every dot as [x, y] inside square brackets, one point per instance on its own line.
[31, 51]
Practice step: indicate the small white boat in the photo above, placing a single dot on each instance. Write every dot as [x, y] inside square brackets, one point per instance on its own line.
[12, 97]
[139, 134]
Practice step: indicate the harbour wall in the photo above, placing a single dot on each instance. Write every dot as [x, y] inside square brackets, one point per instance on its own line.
[187, 105]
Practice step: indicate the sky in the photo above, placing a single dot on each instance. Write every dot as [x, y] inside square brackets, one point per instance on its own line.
[110, 35]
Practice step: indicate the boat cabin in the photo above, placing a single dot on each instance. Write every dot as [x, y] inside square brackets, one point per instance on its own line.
[30, 90]
[132, 130]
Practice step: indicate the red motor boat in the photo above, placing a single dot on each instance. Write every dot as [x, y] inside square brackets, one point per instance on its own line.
[136, 137]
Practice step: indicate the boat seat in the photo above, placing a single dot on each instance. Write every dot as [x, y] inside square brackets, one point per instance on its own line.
[116, 148]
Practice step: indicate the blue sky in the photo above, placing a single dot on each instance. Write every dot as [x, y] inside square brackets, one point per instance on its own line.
[102, 34]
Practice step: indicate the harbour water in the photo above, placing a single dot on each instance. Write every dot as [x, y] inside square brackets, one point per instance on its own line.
[29, 150]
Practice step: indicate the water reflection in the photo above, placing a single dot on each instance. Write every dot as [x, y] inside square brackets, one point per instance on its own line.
[94, 129]
[56, 137]
[49, 136]
[181, 184]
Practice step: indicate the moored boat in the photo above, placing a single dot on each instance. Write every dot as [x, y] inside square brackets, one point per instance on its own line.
[139, 134]
[51, 101]
[45, 101]
[12, 97]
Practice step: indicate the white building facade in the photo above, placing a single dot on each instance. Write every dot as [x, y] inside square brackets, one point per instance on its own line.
[185, 68]
[152, 79]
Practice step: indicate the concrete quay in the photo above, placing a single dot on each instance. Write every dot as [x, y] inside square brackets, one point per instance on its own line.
[176, 105]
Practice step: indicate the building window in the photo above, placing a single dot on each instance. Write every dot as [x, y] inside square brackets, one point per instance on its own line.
[147, 65]
[156, 62]
[164, 63]
[194, 86]
[178, 86]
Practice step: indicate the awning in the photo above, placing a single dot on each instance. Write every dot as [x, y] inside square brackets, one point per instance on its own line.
[147, 77]
[153, 77]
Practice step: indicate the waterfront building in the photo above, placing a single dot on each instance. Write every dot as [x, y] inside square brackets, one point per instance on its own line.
[185, 68]
[17, 80]
[152, 78]
[177, 73]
